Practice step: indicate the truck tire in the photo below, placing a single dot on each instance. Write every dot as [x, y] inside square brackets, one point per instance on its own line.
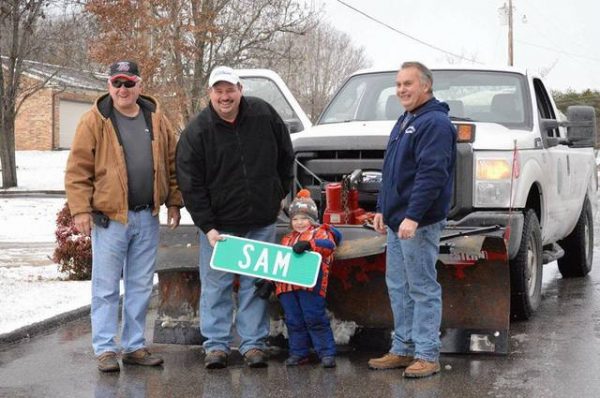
[579, 246]
[526, 270]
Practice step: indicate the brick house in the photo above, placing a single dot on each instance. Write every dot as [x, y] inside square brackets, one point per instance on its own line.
[47, 119]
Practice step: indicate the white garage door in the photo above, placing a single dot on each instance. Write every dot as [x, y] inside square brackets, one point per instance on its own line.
[69, 113]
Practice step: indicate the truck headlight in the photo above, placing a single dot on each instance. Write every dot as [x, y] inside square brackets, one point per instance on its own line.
[492, 183]
[493, 169]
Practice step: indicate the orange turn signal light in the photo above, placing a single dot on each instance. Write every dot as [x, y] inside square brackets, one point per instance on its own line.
[466, 132]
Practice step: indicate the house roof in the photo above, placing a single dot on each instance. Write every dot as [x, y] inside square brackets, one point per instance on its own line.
[62, 76]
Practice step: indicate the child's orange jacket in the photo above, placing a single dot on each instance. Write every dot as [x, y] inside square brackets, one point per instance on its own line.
[323, 240]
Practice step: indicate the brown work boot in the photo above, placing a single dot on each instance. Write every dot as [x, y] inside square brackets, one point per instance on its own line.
[390, 361]
[256, 358]
[107, 362]
[422, 368]
[216, 359]
[142, 357]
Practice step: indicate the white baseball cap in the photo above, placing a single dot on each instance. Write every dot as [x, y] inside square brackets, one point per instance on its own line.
[223, 74]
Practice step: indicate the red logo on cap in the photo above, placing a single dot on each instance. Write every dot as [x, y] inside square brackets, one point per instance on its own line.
[123, 66]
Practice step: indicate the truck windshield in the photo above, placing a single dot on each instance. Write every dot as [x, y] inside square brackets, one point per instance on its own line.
[481, 96]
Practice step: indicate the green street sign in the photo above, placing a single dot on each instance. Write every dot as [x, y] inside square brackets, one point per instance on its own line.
[265, 260]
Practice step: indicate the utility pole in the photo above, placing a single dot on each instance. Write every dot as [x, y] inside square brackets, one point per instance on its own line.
[510, 33]
[506, 18]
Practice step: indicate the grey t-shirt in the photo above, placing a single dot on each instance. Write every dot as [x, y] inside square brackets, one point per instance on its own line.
[137, 144]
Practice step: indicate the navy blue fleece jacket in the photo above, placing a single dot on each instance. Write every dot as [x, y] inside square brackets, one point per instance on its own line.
[418, 167]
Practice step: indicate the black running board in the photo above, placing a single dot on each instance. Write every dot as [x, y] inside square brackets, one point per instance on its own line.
[552, 253]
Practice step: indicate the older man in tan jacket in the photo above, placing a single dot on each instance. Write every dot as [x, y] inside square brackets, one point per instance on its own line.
[121, 169]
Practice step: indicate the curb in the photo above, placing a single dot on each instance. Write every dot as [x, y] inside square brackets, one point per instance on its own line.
[20, 194]
[38, 328]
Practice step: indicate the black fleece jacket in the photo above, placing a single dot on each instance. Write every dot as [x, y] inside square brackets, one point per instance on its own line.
[234, 175]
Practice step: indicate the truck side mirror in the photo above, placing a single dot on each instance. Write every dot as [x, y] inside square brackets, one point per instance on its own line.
[547, 126]
[581, 126]
[294, 125]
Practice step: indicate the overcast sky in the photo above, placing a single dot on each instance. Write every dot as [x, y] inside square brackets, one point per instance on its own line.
[560, 39]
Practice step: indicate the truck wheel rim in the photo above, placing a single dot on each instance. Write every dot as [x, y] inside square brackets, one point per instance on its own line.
[587, 243]
[531, 266]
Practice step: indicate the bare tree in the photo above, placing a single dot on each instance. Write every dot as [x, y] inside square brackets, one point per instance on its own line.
[70, 29]
[180, 41]
[18, 20]
[315, 64]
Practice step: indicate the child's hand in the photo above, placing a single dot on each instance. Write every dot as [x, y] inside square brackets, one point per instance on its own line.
[301, 246]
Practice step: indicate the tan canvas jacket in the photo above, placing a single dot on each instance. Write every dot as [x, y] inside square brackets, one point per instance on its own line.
[96, 174]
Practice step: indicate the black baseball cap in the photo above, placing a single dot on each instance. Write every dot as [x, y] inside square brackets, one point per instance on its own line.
[124, 69]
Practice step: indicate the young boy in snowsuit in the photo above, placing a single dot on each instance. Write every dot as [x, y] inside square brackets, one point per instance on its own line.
[304, 308]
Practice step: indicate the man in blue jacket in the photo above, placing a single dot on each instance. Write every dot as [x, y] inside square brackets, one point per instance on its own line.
[234, 166]
[412, 207]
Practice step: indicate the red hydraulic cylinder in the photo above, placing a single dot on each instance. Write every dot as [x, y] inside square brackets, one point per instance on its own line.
[334, 213]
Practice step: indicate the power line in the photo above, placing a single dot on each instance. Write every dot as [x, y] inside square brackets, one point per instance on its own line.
[559, 51]
[541, 14]
[405, 34]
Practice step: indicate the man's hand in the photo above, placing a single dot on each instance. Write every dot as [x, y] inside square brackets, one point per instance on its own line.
[83, 223]
[407, 229]
[213, 236]
[173, 217]
[378, 223]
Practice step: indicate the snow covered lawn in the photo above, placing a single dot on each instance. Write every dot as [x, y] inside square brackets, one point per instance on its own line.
[32, 288]
[40, 170]
[32, 294]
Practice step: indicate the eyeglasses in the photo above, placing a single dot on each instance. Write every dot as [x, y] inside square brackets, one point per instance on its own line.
[126, 83]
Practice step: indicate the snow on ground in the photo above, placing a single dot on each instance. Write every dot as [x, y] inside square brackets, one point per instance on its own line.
[32, 288]
[33, 293]
[28, 219]
[40, 170]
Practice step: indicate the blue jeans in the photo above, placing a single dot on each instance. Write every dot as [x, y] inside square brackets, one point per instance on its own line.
[415, 294]
[307, 323]
[216, 302]
[131, 250]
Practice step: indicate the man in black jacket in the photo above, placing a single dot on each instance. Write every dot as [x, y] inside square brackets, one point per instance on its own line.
[234, 166]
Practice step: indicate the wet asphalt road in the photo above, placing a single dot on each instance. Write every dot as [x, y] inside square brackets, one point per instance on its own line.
[555, 354]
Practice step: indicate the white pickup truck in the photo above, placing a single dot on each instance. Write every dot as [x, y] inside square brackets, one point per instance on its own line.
[518, 163]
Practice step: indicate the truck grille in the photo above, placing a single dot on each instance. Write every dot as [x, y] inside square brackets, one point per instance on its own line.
[314, 169]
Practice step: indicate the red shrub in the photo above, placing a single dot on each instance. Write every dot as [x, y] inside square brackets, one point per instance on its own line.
[73, 252]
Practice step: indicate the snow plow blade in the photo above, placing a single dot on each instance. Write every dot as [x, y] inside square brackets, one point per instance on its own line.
[475, 277]
[472, 268]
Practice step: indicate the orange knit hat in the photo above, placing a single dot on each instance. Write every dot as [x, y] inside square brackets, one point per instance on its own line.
[303, 204]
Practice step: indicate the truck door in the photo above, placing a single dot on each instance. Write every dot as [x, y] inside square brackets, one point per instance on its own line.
[558, 162]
